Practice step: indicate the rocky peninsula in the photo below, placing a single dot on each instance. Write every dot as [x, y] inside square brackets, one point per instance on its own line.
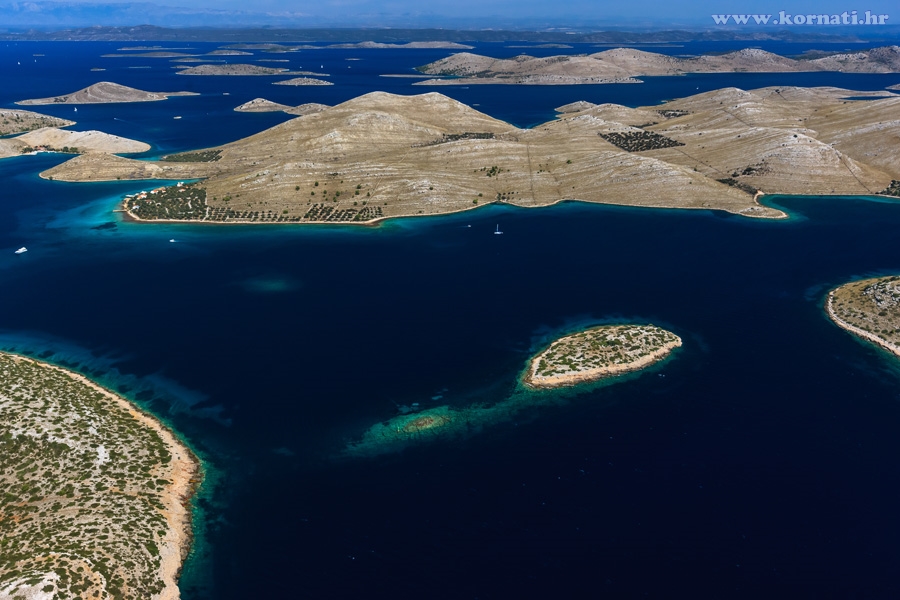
[94, 494]
[106, 92]
[597, 353]
[869, 309]
[624, 65]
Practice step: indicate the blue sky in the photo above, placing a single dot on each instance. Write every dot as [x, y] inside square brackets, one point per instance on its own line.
[531, 8]
[571, 12]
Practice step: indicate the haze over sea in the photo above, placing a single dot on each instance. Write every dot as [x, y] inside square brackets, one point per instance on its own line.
[762, 459]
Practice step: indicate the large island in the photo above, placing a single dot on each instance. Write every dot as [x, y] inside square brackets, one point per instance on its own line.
[382, 155]
[869, 309]
[94, 494]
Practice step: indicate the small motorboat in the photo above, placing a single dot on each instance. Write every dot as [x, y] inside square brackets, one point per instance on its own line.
[22, 250]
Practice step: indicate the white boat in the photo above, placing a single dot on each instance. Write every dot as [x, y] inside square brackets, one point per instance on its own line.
[22, 250]
[498, 232]
[172, 241]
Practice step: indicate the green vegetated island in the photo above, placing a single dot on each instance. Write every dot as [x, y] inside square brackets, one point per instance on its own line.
[94, 494]
[598, 353]
[869, 309]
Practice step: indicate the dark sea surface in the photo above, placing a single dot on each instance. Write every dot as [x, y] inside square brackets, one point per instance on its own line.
[761, 460]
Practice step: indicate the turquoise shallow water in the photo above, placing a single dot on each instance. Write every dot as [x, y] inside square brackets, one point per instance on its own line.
[760, 458]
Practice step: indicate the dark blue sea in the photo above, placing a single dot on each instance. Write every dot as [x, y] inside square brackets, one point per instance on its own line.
[760, 461]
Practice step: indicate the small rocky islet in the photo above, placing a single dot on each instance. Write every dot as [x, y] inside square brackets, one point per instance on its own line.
[869, 309]
[597, 353]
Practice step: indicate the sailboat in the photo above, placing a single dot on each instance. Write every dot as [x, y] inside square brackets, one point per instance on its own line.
[498, 232]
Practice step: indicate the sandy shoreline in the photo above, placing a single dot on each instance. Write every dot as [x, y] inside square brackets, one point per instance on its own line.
[532, 379]
[184, 472]
[829, 309]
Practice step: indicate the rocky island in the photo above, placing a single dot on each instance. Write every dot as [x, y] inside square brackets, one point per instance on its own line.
[106, 92]
[153, 54]
[303, 81]
[51, 139]
[262, 105]
[80, 142]
[869, 309]
[406, 46]
[14, 121]
[268, 47]
[94, 494]
[597, 353]
[239, 69]
[624, 65]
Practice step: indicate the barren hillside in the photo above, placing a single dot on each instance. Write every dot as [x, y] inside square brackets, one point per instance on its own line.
[106, 92]
[382, 155]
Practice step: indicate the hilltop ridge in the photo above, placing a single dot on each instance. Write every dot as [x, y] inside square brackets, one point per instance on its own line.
[623, 65]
